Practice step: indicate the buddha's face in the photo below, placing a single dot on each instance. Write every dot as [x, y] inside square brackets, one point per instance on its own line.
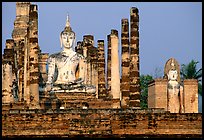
[172, 75]
[67, 39]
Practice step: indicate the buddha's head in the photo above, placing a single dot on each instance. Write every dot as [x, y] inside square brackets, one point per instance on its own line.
[172, 74]
[67, 36]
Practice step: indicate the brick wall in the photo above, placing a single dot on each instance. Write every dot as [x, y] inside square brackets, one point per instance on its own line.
[191, 95]
[100, 123]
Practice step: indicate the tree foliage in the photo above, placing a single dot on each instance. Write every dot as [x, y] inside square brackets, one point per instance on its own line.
[144, 80]
[190, 71]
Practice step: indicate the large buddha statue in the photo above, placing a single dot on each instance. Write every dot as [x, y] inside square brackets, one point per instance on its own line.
[175, 91]
[67, 68]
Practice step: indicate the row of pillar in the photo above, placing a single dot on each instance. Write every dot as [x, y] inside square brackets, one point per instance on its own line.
[29, 61]
[126, 89]
[26, 63]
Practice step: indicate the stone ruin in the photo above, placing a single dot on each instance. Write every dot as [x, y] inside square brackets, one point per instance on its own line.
[112, 111]
[188, 91]
[25, 66]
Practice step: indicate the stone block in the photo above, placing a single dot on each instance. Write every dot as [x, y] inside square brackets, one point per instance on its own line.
[157, 94]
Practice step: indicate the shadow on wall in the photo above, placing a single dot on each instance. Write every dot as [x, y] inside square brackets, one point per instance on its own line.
[199, 103]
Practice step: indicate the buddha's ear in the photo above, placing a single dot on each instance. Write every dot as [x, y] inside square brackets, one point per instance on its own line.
[60, 41]
[74, 43]
[167, 75]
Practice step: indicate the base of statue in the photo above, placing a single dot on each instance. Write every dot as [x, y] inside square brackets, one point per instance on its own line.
[73, 89]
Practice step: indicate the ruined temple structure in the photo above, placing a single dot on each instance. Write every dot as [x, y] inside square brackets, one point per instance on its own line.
[23, 64]
[24, 67]
[162, 93]
[31, 109]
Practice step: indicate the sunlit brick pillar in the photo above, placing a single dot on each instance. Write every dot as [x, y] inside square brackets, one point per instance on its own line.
[190, 95]
[87, 45]
[33, 98]
[125, 81]
[7, 73]
[115, 67]
[26, 72]
[134, 59]
[101, 70]
[10, 45]
[109, 66]
[42, 63]
[19, 35]
[85, 51]
[94, 67]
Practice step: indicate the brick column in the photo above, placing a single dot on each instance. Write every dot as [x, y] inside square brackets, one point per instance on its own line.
[101, 70]
[190, 96]
[85, 51]
[134, 59]
[7, 73]
[78, 48]
[88, 44]
[19, 35]
[115, 67]
[109, 66]
[10, 45]
[26, 71]
[93, 58]
[125, 81]
[94, 68]
[34, 58]
[42, 64]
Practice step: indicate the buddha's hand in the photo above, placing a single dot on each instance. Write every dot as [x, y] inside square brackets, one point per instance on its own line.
[79, 80]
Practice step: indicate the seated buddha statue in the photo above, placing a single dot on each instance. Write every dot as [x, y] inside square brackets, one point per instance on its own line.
[67, 68]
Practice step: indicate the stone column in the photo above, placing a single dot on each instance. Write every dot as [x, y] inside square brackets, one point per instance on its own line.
[34, 58]
[19, 35]
[115, 67]
[134, 59]
[85, 51]
[20, 57]
[125, 82]
[190, 96]
[10, 45]
[109, 67]
[88, 43]
[101, 70]
[42, 63]
[26, 71]
[94, 68]
[7, 73]
[7, 94]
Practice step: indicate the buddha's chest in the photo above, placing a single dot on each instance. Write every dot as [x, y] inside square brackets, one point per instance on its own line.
[67, 67]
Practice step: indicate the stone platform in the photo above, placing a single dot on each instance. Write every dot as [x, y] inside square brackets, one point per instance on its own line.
[73, 100]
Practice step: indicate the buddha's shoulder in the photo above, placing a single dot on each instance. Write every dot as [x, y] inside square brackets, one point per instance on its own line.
[55, 55]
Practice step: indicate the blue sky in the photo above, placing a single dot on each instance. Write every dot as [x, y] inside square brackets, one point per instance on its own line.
[167, 29]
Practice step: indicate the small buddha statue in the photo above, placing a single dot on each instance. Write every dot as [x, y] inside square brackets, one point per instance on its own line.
[175, 92]
[67, 68]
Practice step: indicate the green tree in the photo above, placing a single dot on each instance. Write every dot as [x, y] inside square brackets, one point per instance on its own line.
[144, 80]
[189, 71]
